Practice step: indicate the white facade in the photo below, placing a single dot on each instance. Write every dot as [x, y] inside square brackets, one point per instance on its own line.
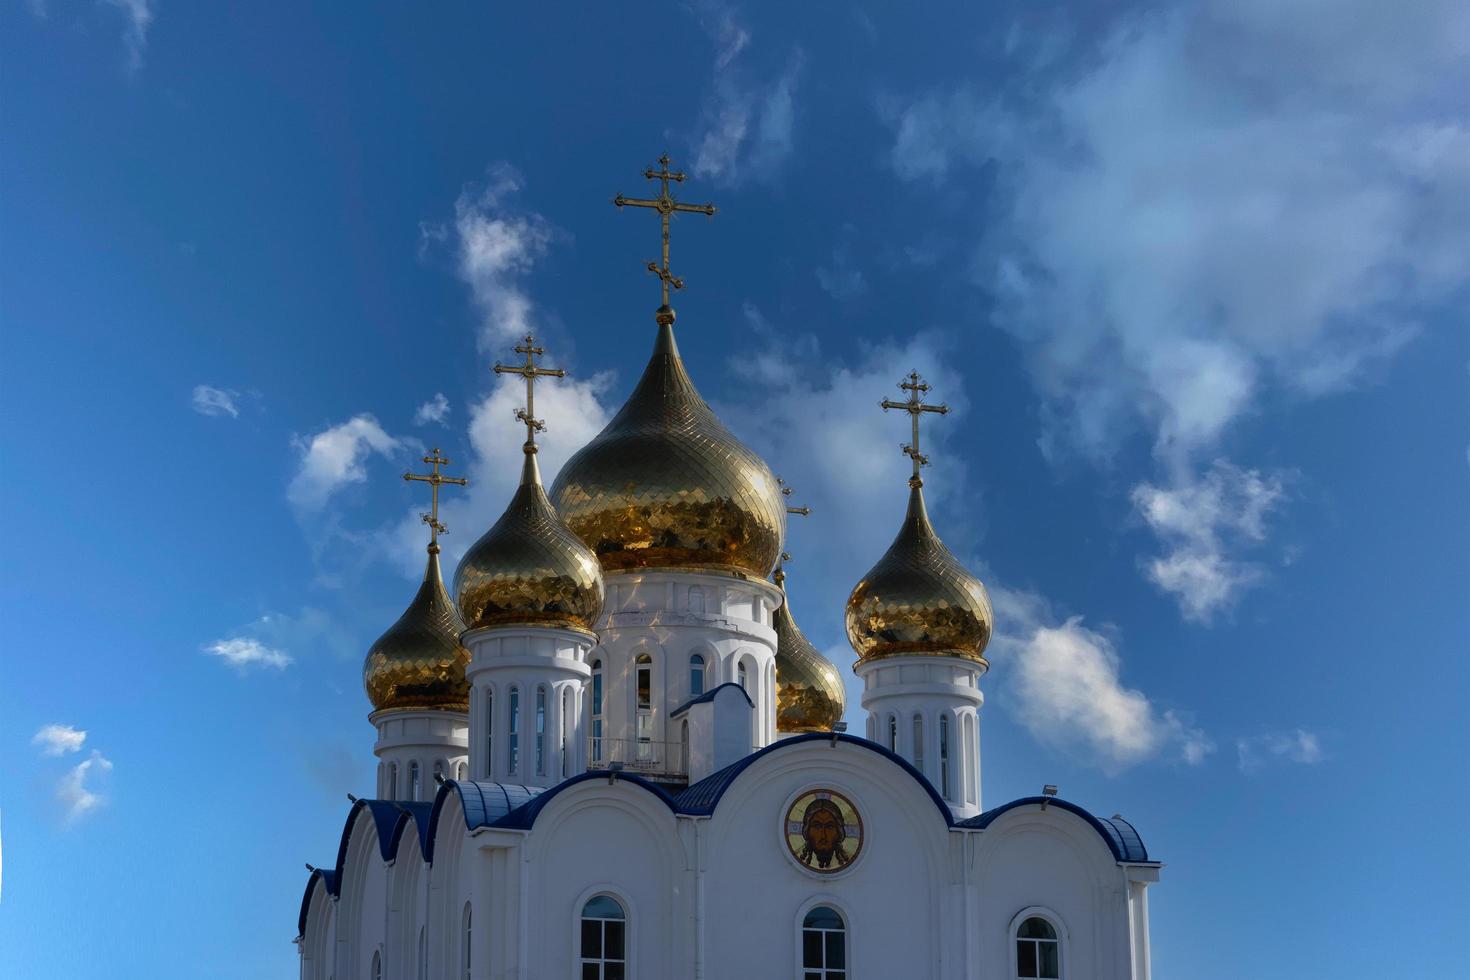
[415, 745]
[508, 873]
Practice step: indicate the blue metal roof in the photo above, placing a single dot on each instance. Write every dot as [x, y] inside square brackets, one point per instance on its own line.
[419, 813]
[484, 803]
[525, 815]
[710, 696]
[702, 798]
[1121, 838]
[330, 879]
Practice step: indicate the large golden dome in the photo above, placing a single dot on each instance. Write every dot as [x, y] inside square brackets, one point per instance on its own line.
[809, 692]
[919, 599]
[418, 662]
[666, 484]
[529, 569]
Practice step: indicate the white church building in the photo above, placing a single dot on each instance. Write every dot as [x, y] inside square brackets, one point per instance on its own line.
[610, 753]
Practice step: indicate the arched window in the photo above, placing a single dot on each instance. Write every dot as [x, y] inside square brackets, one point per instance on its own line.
[696, 675]
[604, 940]
[438, 771]
[464, 949]
[392, 780]
[823, 945]
[377, 971]
[566, 712]
[740, 677]
[461, 771]
[515, 731]
[644, 692]
[696, 599]
[893, 733]
[423, 954]
[413, 781]
[541, 730]
[944, 756]
[1038, 952]
[919, 742]
[489, 734]
[597, 711]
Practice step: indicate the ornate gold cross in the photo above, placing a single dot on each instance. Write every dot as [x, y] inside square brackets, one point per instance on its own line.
[916, 387]
[530, 372]
[666, 206]
[435, 480]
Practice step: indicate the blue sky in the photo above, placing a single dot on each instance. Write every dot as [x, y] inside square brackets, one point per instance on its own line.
[1192, 278]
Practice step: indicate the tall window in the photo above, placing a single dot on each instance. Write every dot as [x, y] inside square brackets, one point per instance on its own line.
[423, 954]
[1038, 953]
[644, 677]
[944, 756]
[823, 945]
[438, 771]
[740, 676]
[597, 711]
[515, 730]
[464, 949]
[489, 734]
[392, 780]
[413, 781]
[461, 771]
[696, 675]
[604, 940]
[377, 972]
[541, 731]
[566, 712]
[919, 742]
[893, 733]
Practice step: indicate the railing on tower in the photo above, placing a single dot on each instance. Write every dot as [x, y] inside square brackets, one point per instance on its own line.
[643, 756]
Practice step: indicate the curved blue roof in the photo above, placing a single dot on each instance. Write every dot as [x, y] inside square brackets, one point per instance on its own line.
[330, 879]
[710, 696]
[524, 816]
[1122, 839]
[701, 798]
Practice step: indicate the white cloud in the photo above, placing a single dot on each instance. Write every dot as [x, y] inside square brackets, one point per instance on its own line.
[76, 796]
[433, 410]
[747, 119]
[139, 17]
[208, 400]
[1064, 682]
[840, 279]
[1298, 746]
[244, 653]
[495, 245]
[59, 739]
[1201, 521]
[333, 458]
[1215, 200]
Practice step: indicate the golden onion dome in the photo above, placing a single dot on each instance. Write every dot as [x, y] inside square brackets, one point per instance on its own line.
[419, 662]
[919, 599]
[528, 569]
[809, 692]
[666, 485]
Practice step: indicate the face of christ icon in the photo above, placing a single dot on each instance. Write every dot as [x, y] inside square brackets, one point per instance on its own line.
[823, 831]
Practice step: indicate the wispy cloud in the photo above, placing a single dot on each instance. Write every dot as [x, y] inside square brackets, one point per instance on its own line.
[138, 16]
[1297, 746]
[1065, 684]
[746, 124]
[244, 653]
[1182, 225]
[840, 279]
[59, 739]
[335, 457]
[77, 793]
[1202, 521]
[495, 244]
[208, 400]
[433, 410]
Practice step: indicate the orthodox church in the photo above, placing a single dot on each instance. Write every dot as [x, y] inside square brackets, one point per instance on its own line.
[610, 752]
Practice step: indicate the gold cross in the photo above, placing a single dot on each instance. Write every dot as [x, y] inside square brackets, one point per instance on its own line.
[530, 372]
[915, 386]
[435, 480]
[666, 206]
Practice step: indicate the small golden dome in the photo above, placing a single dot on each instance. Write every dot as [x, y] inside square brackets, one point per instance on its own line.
[529, 569]
[809, 692]
[919, 599]
[666, 484]
[418, 662]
